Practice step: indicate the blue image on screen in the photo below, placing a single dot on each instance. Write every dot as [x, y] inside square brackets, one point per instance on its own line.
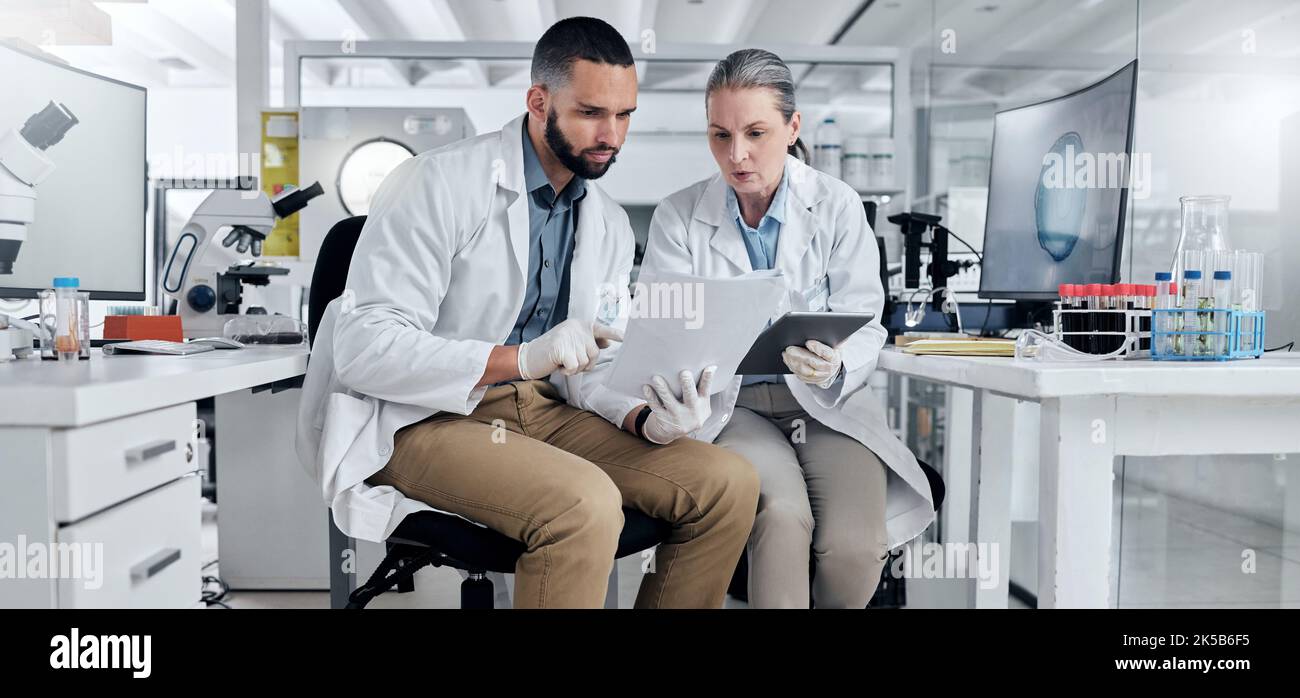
[1058, 209]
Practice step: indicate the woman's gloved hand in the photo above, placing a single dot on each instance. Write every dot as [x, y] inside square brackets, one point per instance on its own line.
[817, 364]
[571, 346]
[670, 418]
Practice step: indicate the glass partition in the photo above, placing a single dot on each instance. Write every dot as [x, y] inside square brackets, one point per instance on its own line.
[1218, 112]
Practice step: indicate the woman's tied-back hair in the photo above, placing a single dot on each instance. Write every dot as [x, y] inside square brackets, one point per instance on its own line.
[755, 68]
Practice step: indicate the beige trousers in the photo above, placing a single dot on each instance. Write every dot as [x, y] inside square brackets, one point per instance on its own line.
[823, 494]
[530, 466]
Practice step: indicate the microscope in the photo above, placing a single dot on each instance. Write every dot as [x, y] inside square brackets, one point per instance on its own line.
[23, 165]
[207, 281]
[922, 230]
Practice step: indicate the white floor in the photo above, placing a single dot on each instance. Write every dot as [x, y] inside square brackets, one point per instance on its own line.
[1179, 554]
[1173, 554]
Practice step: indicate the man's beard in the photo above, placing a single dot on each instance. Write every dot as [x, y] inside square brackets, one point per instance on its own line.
[574, 161]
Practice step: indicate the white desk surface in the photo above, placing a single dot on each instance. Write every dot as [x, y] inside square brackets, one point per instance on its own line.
[72, 394]
[1277, 374]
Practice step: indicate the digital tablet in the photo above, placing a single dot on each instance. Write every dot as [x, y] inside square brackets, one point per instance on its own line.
[794, 329]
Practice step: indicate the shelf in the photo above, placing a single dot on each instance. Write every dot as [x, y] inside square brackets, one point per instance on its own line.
[874, 193]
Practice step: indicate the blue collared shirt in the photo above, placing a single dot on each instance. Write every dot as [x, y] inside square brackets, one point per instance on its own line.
[552, 220]
[760, 243]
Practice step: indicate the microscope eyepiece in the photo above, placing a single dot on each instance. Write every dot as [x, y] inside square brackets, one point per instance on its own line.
[296, 200]
[48, 126]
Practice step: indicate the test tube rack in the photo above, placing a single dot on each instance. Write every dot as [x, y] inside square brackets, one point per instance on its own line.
[1242, 338]
[1132, 342]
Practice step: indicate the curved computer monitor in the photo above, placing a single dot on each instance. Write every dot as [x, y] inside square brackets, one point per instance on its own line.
[1058, 191]
[90, 210]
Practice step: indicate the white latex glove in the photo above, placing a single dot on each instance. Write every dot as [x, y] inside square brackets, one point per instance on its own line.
[670, 418]
[818, 364]
[571, 347]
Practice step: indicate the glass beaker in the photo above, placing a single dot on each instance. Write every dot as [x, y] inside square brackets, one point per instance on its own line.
[1204, 233]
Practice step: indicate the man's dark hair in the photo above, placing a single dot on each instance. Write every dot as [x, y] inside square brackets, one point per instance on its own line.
[569, 40]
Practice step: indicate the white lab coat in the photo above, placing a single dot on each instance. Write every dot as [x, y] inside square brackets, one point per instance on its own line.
[437, 280]
[827, 253]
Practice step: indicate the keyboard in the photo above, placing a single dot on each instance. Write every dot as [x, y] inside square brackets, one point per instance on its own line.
[156, 346]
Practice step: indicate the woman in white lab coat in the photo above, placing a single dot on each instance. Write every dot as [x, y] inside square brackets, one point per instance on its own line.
[837, 485]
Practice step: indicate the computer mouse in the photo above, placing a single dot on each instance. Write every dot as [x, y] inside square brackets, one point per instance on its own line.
[219, 343]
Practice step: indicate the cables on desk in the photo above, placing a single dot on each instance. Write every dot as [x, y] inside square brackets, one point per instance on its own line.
[988, 309]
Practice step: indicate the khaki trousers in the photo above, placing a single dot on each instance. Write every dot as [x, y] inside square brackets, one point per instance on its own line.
[530, 466]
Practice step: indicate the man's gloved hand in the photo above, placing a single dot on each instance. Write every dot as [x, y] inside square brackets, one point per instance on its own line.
[818, 364]
[571, 346]
[670, 418]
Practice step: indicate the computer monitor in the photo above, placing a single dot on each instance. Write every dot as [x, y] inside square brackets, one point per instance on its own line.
[1058, 191]
[90, 210]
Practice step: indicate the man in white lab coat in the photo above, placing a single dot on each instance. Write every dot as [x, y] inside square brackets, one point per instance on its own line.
[462, 368]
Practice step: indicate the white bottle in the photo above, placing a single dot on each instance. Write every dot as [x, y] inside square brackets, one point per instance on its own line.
[882, 163]
[857, 161]
[827, 153]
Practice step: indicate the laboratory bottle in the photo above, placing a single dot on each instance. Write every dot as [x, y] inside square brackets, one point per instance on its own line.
[827, 153]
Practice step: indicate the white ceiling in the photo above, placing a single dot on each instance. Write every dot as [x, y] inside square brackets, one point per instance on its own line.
[192, 42]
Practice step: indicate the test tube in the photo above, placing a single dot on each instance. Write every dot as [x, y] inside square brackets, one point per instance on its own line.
[1093, 300]
[1164, 321]
[1119, 300]
[1073, 322]
[83, 314]
[1064, 291]
[1194, 260]
[1245, 281]
[1148, 302]
[1222, 321]
[1174, 321]
[68, 335]
[1125, 299]
[1191, 344]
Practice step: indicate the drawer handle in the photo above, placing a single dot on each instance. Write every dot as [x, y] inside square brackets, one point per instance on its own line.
[156, 563]
[139, 454]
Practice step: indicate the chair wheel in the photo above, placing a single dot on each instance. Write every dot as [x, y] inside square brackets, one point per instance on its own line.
[406, 586]
[477, 592]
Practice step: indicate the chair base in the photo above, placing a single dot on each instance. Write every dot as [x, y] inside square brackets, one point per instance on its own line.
[434, 538]
[397, 569]
[477, 592]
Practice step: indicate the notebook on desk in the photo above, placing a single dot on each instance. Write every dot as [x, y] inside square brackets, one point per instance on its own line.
[972, 346]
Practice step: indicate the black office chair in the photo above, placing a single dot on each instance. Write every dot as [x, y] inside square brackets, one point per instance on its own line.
[890, 592]
[431, 538]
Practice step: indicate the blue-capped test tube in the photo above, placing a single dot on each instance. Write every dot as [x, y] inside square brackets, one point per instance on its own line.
[1222, 317]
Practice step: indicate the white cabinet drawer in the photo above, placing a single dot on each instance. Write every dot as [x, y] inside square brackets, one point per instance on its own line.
[102, 464]
[143, 553]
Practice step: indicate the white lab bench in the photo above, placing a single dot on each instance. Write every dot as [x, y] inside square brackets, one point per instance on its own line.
[1090, 414]
[103, 452]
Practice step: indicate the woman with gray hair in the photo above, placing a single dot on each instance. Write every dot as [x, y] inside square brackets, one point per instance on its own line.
[839, 490]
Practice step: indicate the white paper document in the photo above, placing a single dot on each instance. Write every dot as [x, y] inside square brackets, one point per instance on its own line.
[679, 321]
